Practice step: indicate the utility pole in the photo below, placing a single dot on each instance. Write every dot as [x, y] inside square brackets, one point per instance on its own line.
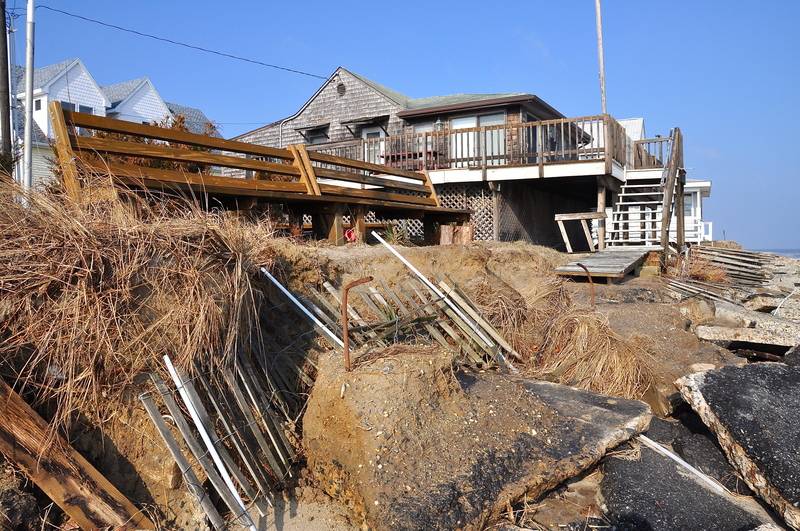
[6, 162]
[28, 142]
[600, 54]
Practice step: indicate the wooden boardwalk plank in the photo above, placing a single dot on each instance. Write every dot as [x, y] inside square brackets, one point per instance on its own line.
[610, 262]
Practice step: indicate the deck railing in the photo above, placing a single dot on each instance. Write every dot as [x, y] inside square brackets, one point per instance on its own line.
[591, 138]
[651, 153]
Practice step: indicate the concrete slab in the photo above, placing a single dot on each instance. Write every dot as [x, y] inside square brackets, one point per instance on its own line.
[754, 412]
[410, 444]
[652, 492]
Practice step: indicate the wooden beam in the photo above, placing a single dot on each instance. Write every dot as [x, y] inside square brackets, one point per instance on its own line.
[564, 235]
[112, 125]
[61, 472]
[302, 153]
[160, 152]
[601, 223]
[336, 226]
[358, 221]
[66, 157]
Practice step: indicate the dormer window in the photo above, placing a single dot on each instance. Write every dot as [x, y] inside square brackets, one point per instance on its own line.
[37, 104]
[315, 134]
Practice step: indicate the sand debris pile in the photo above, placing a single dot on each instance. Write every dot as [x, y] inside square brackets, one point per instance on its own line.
[92, 297]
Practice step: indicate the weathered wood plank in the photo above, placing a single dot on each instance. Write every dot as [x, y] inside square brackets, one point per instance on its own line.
[62, 473]
[111, 125]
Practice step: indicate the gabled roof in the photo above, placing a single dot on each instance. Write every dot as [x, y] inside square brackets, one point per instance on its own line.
[400, 99]
[41, 76]
[117, 93]
[196, 120]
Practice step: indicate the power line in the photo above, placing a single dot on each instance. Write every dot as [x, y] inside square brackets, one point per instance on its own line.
[170, 41]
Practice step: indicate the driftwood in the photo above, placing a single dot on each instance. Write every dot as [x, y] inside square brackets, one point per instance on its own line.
[61, 472]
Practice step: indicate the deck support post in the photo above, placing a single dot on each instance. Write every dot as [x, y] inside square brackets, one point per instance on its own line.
[336, 225]
[429, 230]
[601, 223]
[358, 222]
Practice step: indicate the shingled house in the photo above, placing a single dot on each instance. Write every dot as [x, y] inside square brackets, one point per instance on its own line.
[71, 83]
[511, 158]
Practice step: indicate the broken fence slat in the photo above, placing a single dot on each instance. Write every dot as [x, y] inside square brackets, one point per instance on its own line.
[433, 288]
[460, 298]
[429, 312]
[193, 484]
[181, 384]
[464, 345]
[279, 445]
[200, 454]
[335, 341]
[235, 435]
[219, 444]
[268, 450]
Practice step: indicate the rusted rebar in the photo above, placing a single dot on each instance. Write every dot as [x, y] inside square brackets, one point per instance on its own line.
[345, 336]
[591, 283]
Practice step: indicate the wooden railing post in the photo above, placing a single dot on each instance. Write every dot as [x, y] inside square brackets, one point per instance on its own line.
[66, 157]
[673, 166]
[608, 143]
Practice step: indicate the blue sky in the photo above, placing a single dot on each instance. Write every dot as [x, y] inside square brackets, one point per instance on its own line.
[725, 72]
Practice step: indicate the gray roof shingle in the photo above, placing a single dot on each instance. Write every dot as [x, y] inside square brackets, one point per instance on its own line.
[120, 91]
[41, 76]
[196, 120]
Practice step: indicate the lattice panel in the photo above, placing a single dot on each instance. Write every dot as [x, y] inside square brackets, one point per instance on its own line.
[476, 197]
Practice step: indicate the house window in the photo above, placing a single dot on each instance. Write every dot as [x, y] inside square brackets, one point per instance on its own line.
[316, 136]
[37, 105]
[84, 108]
[688, 205]
[67, 106]
[465, 147]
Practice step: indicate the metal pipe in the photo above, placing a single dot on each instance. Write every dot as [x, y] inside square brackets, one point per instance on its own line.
[28, 140]
[303, 309]
[344, 319]
[212, 450]
[591, 282]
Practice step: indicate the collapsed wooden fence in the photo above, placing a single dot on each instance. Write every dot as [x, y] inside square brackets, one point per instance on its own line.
[237, 435]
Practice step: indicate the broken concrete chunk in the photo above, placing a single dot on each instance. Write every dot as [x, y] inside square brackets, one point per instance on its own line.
[726, 335]
[750, 319]
[753, 410]
[407, 443]
[647, 490]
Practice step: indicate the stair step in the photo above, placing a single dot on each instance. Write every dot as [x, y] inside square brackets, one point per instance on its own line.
[636, 194]
[638, 203]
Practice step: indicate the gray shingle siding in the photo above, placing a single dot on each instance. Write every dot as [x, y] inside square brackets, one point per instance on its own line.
[360, 100]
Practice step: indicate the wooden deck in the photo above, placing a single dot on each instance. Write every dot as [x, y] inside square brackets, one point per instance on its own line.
[98, 156]
[613, 262]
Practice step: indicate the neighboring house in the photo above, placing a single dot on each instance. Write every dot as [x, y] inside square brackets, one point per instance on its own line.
[511, 158]
[71, 83]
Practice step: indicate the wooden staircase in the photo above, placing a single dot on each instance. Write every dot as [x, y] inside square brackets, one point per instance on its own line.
[636, 218]
[642, 213]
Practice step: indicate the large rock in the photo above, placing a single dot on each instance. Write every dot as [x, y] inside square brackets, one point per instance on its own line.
[408, 443]
[754, 412]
